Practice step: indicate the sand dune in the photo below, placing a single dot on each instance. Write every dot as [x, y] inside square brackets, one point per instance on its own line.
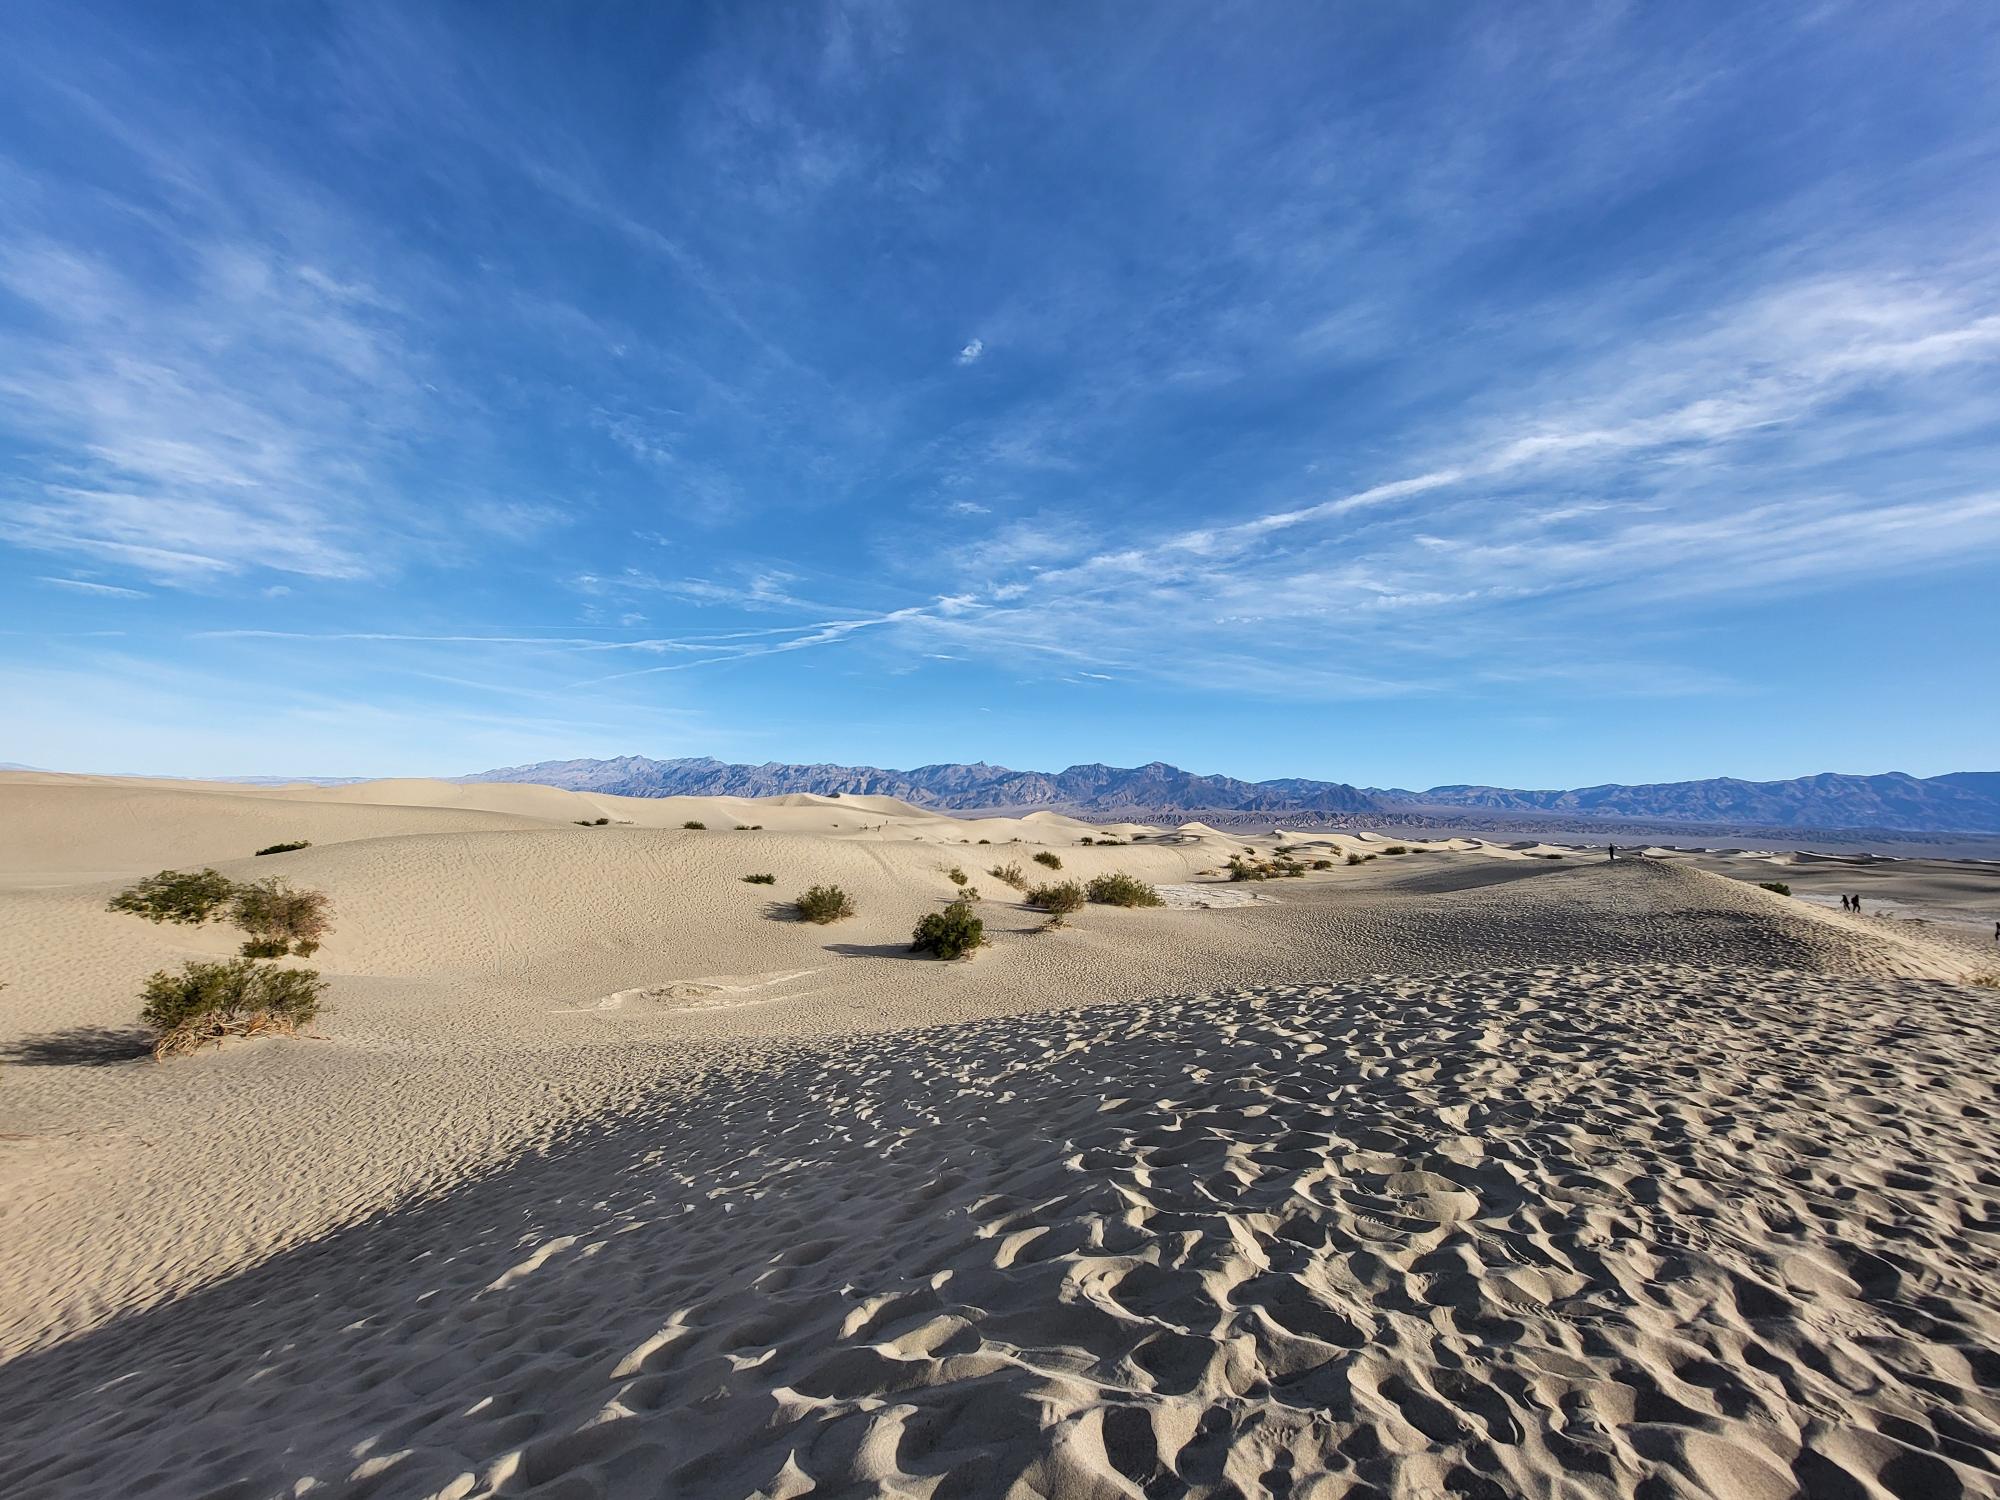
[1458, 1172]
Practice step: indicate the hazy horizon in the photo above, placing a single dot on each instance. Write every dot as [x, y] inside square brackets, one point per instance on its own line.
[1529, 397]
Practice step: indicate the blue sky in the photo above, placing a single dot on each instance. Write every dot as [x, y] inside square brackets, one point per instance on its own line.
[1542, 394]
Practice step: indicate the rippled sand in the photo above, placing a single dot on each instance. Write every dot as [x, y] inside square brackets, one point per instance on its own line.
[1477, 1178]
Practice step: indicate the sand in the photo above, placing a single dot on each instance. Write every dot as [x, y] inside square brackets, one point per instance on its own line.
[1464, 1171]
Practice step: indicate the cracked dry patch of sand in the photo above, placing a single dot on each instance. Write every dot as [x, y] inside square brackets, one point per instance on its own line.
[706, 993]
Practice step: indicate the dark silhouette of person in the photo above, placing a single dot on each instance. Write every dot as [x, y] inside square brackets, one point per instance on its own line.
[1614, 854]
[1857, 904]
[1847, 903]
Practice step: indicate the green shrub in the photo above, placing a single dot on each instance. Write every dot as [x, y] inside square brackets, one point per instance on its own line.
[1051, 860]
[1086, 840]
[171, 896]
[986, 841]
[951, 933]
[1009, 875]
[286, 848]
[1057, 900]
[274, 911]
[1353, 858]
[1984, 981]
[742, 827]
[1248, 869]
[956, 875]
[1778, 886]
[695, 823]
[1120, 889]
[264, 948]
[1397, 849]
[1322, 864]
[824, 904]
[760, 880]
[1111, 843]
[206, 1002]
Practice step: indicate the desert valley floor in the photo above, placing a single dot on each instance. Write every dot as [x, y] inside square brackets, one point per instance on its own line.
[1461, 1171]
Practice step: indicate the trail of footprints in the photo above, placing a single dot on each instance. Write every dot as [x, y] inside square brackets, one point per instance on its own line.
[1662, 1232]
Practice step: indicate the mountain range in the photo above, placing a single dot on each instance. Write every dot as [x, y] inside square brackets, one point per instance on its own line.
[1965, 801]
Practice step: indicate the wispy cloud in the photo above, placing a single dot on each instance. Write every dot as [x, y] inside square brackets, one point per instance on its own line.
[103, 590]
[1459, 375]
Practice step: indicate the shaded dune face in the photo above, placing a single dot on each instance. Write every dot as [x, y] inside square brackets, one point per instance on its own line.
[1648, 1230]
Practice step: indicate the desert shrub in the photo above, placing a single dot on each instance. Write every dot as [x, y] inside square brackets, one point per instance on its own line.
[951, 933]
[695, 823]
[742, 827]
[1111, 843]
[274, 911]
[1086, 840]
[986, 841]
[824, 904]
[760, 880]
[1009, 875]
[1057, 900]
[1322, 864]
[1049, 859]
[1120, 889]
[1984, 981]
[206, 1002]
[1397, 849]
[1778, 886]
[1353, 858]
[173, 896]
[591, 822]
[286, 848]
[265, 948]
[1286, 849]
[956, 875]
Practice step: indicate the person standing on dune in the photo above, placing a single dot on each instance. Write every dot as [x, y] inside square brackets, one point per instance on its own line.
[1613, 853]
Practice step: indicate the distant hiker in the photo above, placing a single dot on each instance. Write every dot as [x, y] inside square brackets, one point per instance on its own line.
[1857, 904]
[1847, 903]
[1614, 854]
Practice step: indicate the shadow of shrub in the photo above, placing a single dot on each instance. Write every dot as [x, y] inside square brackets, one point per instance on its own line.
[80, 1047]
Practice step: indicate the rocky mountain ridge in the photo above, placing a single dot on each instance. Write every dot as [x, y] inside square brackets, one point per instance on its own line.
[1966, 801]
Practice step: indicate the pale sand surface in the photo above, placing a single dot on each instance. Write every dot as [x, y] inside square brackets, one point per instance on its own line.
[1461, 1172]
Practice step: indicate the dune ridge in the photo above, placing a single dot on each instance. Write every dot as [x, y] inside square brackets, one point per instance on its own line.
[1459, 1172]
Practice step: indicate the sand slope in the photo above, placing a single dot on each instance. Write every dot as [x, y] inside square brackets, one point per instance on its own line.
[1462, 1172]
[1667, 1231]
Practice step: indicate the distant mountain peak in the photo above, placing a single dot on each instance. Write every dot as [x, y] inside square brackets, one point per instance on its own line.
[1960, 802]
